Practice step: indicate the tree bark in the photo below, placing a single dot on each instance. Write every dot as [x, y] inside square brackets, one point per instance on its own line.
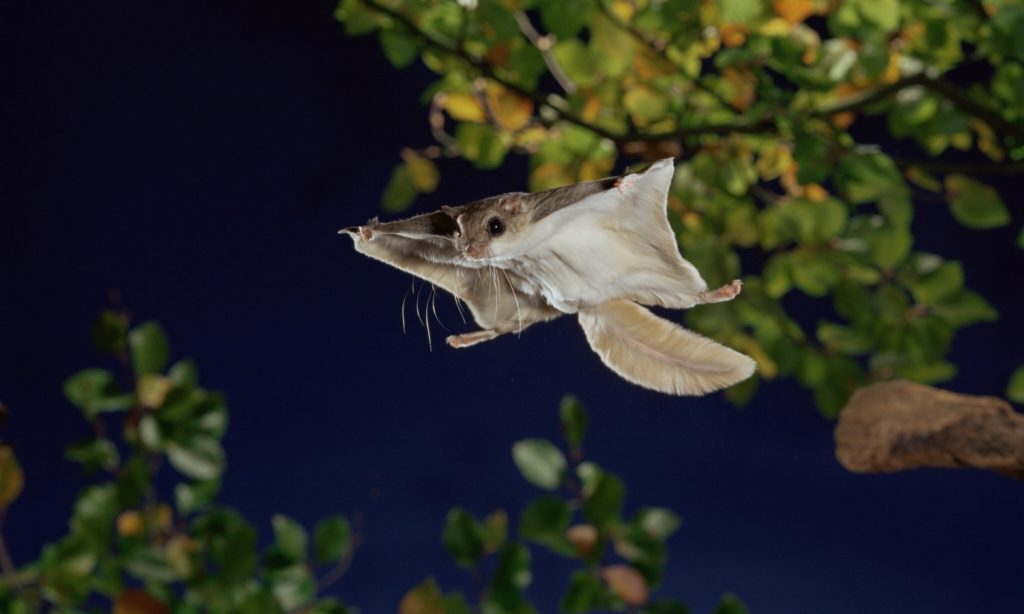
[899, 425]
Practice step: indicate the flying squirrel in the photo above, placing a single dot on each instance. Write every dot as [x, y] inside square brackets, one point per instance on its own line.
[598, 249]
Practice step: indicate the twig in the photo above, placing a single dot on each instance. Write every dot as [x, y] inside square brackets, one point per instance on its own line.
[868, 97]
[545, 44]
[967, 104]
[10, 572]
[339, 570]
[940, 166]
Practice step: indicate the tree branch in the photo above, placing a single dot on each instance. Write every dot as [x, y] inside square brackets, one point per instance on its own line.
[544, 44]
[972, 107]
[939, 166]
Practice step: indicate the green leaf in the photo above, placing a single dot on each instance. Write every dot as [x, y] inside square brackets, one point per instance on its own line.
[605, 504]
[868, 177]
[290, 537]
[889, 245]
[400, 191]
[422, 171]
[400, 47]
[94, 391]
[939, 283]
[540, 462]
[358, 19]
[149, 348]
[513, 570]
[574, 420]
[455, 603]
[975, 204]
[964, 308]
[189, 498]
[232, 544]
[98, 453]
[1015, 389]
[658, 522]
[730, 604]
[150, 565]
[94, 513]
[331, 539]
[495, 530]
[586, 593]
[646, 104]
[480, 144]
[590, 476]
[740, 11]
[199, 457]
[110, 331]
[545, 521]
[813, 274]
[665, 606]
[463, 537]
[564, 18]
[293, 586]
[844, 339]
[811, 153]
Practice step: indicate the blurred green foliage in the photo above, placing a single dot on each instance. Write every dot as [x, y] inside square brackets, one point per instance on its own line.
[150, 550]
[762, 104]
[137, 546]
[616, 560]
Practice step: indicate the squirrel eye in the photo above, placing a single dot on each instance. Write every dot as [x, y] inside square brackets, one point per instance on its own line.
[495, 226]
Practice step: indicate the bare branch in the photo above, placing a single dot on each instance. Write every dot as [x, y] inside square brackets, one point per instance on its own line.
[545, 44]
[972, 107]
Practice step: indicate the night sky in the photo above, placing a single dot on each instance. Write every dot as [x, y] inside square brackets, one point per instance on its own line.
[196, 160]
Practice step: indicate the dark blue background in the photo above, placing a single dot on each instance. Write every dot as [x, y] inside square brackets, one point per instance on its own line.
[198, 157]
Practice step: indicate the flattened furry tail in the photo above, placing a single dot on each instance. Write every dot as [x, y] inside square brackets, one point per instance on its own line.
[657, 354]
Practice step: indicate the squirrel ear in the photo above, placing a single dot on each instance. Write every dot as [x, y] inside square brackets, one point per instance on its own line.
[514, 205]
[451, 211]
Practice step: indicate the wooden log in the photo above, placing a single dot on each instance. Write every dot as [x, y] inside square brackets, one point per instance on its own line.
[900, 425]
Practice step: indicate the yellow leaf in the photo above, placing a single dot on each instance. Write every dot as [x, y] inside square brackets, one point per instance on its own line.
[594, 169]
[510, 110]
[774, 160]
[742, 87]
[530, 137]
[138, 601]
[776, 27]
[129, 523]
[591, 108]
[179, 550]
[645, 104]
[152, 389]
[767, 368]
[814, 192]
[733, 34]
[793, 11]
[464, 107]
[623, 9]
[422, 171]
[892, 70]
[627, 583]
[988, 143]
[423, 599]
[12, 478]
[550, 175]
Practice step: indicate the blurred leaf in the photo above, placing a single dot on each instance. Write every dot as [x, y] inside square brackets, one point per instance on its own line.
[586, 593]
[455, 603]
[626, 583]
[583, 537]
[890, 245]
[290, 537]
[645, 104]
[844, 339]
[495, 530]
[189, 498]
[97, 453]
[545, 521]
[400, 47]
[513, 570]
[293, 586]
[540, 462]
[605, 504]
[590, 476]
[1015, 389]
[110, 331]
[480, 144]
[331, 539]
[232, 544]
[463, 537]
[149, 348]
[964, 308]
[425, 598]
[464, 107]
[422, 171]
[138, 601]
[812, 274]
[574, 420]
[658, 522]
[938, 283]
[665, 606]
[12, 478]
[149, 565]
[510, 110]
[740, 11]
[358, 19]
[564, 18]
[400, 191]
[974, 204]
[199, 457]
[868, 177]
[152, 389]
[94, 391]
[730, 604]
[811, 154]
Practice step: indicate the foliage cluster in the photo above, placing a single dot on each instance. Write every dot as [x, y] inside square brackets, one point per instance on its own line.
[770, 108]
[153, 542]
